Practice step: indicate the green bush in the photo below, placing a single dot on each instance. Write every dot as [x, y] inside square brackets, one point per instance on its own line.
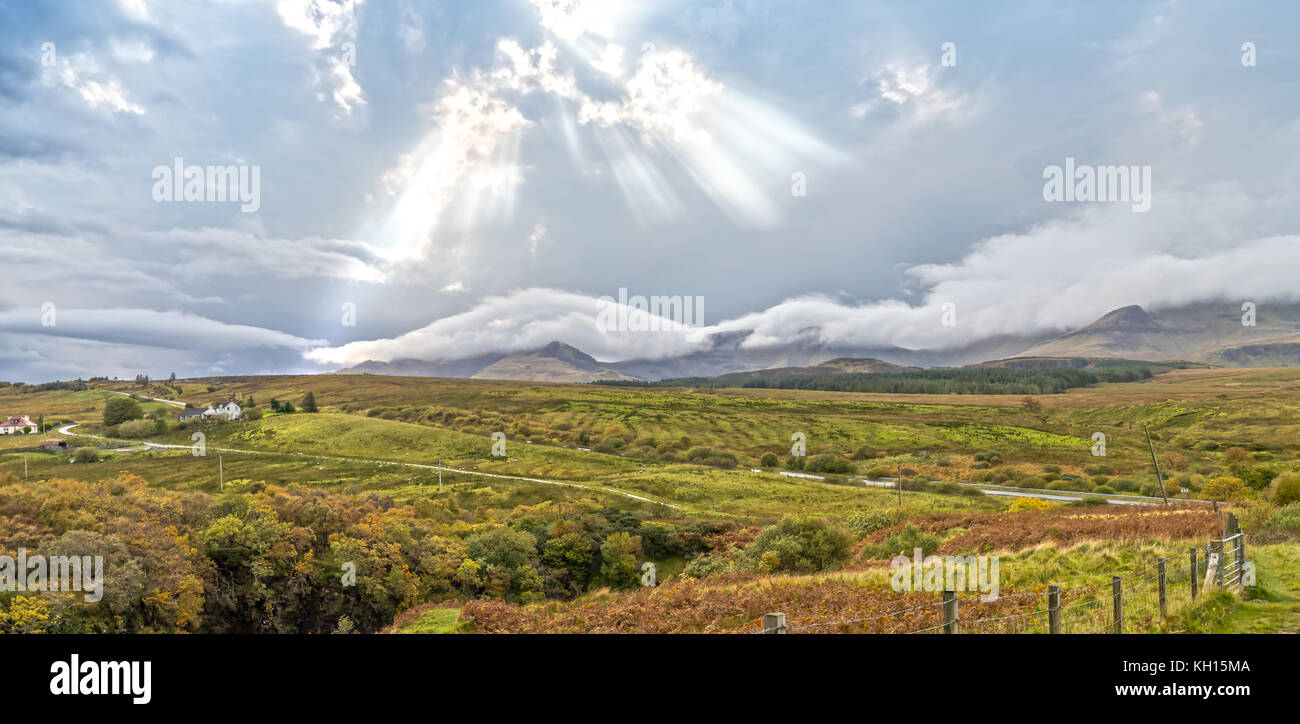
[880, 471]
[769, 460]
[1285, 489]
[136, 428]
[704, 456]
[830, 463]
[706, 566]
[86, 455]
[121, 409]
[798, 545]
[1124, 485]
[866, 452]
[1285, 523]
[863, 524]
[904, 542]
[1150, 490]
[1255, 478]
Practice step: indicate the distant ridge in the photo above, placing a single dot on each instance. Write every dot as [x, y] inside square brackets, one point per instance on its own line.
[1203, 333]
[1210, 333]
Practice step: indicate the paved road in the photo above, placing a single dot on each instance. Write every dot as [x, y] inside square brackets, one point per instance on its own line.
[155, 399]
[1011, 493]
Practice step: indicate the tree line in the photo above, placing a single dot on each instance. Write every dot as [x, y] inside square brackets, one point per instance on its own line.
[936, 381]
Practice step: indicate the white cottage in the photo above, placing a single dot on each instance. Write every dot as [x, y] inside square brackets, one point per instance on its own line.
[16, 425]
[228, 411]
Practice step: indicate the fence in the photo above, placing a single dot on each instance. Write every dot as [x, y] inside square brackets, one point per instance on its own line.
[1140, 601]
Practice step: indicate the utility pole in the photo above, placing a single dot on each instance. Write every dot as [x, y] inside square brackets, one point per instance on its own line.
[221, 471]
[900, 483]
[24, 466]
[1159, 477]
[439, 475]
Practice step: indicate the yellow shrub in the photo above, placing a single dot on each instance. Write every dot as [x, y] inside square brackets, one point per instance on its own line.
[1029, 504]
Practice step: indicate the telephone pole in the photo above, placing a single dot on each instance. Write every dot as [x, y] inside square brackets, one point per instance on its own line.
[221, 472]
[1155, 462]
[900, 483]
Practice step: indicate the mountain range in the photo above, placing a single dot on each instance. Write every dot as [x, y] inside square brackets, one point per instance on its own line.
[1210, 333]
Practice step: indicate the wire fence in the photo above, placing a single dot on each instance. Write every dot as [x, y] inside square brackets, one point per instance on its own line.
[1135, 603]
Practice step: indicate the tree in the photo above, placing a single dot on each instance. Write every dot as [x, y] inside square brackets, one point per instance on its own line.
[1285, 489]
[172, 378]
[309, 403]
[769, 460]
[1224, 488]
[618, 559]
[120, 409]
[287, 407]
[1238, 457]
[572, 552]
[275, 405]
[798, 544]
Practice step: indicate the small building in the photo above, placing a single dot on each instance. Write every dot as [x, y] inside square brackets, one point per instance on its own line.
[18, 425]
[225, 411]
[191, 413]
[54, 445]
[228, 411]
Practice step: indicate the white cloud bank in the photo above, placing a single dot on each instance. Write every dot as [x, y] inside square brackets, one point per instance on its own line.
[1062, 274]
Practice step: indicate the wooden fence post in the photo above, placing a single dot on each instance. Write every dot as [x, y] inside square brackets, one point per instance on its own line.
[1054, 609]
[950, 612]
[1164, 606]
[1241, 549]
[1196, 573]
[774, 623]
[1117, 594]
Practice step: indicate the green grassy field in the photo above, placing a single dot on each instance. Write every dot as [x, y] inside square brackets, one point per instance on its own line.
[625, 449]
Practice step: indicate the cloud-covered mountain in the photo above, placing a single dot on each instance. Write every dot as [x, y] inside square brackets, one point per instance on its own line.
[1210, 332]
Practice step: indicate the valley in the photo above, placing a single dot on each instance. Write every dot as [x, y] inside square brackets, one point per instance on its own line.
[596, 482]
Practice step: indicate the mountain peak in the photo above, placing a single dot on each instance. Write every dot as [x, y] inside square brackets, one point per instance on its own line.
[1130, 318]
[566, 353]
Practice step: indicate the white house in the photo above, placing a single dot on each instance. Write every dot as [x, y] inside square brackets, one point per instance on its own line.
[229, 411]
[16, 425]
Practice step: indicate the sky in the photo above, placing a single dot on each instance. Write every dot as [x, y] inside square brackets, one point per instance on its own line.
[438, 180]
